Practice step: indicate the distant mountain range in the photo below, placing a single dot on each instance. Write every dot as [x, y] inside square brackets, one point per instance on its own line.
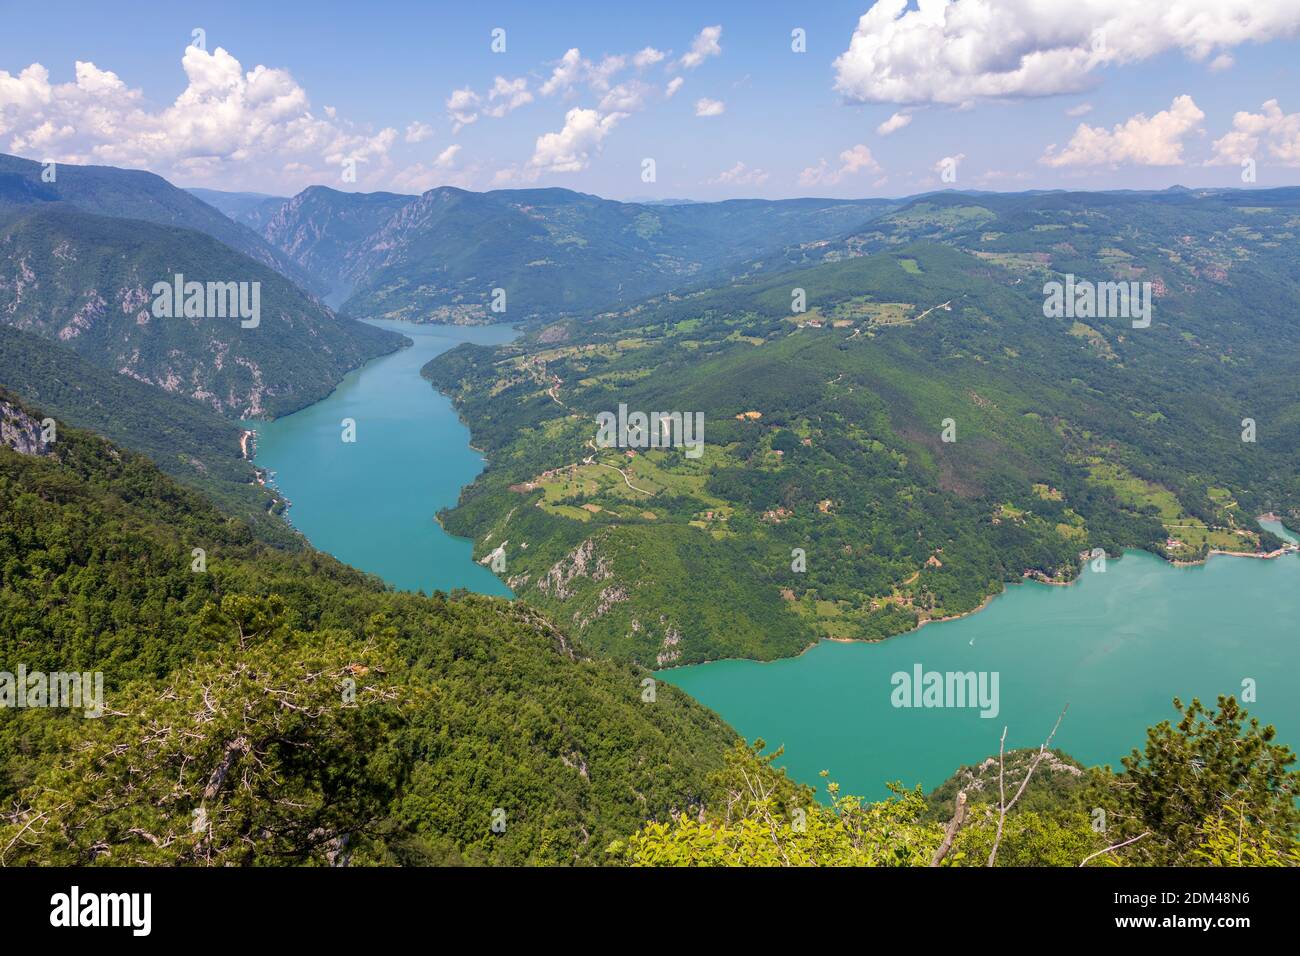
[923, 432]
[86, 281]
[135, 194]
[185, 438]
[439, 256]
[82, 251]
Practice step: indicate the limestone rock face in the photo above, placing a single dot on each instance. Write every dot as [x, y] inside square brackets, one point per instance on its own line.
[20, 431]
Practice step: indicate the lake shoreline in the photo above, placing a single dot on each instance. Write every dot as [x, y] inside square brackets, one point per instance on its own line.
[412, 436]
[1281, 552]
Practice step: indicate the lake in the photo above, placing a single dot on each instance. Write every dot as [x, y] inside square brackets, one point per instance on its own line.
[372, 503]
[1116, 646]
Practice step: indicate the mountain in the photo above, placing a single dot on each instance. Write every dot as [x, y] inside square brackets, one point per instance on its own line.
[1056, 223]
[924, 433]
[332, 234]
[350, 722]
[248, 209]
[185, 438]
[87, 282]
[253, 706]
[135, 194]
[439, 256]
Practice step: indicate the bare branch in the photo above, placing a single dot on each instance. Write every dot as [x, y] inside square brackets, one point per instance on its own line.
[1003, 806]
[958, 818]
[1115, 847]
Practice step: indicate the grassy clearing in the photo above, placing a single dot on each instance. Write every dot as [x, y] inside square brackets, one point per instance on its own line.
[1187, 534]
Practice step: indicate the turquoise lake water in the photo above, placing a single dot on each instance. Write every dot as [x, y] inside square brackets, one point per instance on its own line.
[1116, 646]
[372, 503]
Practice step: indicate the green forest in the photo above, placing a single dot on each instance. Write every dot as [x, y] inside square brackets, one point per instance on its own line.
[915, 437]
[275, 707]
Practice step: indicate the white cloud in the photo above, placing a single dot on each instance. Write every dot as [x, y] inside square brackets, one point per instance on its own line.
[857, 159]
[505, 96]
[740, 175]
[703, 46]
[420, 177]
[894, 123]
[626, 97]
[1224, 61]
[707, 107]
[852, 161]
[228, 126]
[565, 74]
[569, 150]
[948, 51]
[1082, 109]
[949, 162]
[574, 70]
[601, 75]
[1154, 141]
[508, 95]
[673, 86]
[647, 57]
[1277, 132]
[418, 132]
[462, 107]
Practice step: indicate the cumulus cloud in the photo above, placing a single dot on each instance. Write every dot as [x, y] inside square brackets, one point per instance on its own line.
[228, 126]
[600, 75]
[1143, 141]
[1082, 109]
[894, 123]
[626, 97]
[707, 107]
[948, 163]
[740, 175]
[574, 70]
[418, 132]
[507, 95]
[565, 73]
[442, 171]
[569, 150]
[647, 57]
[673, 86]
[852, 161]
[949, 51]
[462, 107]
[703, 46]
[1276, 132]
[1224, 61]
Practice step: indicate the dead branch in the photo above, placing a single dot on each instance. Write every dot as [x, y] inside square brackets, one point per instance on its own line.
[958, 818]
[1003, 806]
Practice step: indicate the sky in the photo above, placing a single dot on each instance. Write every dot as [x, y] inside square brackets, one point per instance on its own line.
[664, 100]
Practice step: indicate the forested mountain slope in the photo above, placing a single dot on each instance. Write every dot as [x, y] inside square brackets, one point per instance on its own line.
[289, 704]
[439, 256]
[87, 282]
[135, 194]
[186, 439]
[920, 435]
[275, 708]
[248, 209]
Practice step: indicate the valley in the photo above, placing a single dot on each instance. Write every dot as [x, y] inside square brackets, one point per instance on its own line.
[893, 450]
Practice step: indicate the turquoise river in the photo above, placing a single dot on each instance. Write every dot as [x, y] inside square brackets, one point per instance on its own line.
[372, 502]
[1115, 646]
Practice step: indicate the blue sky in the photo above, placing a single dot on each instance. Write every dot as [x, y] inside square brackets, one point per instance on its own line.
[1014, 94]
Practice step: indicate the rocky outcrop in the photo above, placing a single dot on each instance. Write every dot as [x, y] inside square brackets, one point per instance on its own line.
[582, 562]
[20, 431]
